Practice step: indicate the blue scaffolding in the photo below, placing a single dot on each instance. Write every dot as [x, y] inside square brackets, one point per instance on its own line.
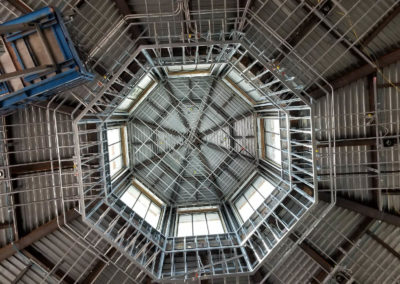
[40, 59]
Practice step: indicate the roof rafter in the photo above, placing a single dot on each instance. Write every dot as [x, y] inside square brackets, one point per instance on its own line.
[357, 73]
[38, 233]
[362, 209]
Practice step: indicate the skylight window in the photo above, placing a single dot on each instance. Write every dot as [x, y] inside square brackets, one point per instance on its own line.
[143, 205]
[192, 223]
[117, 151]
[242, 87]
[248, 202]
[141, 89]
[191, 70]
[273, 140]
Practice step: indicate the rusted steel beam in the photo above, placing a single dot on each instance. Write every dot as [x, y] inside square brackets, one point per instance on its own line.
[20, 6]
[47, 265]
[383, 243]
[22, 169]
[123, 7]
[37, 234]
[6, 225]
[98, 268]
[344, 248]
[380, 26]
[363, 209]
[358, 73]
[325, 263]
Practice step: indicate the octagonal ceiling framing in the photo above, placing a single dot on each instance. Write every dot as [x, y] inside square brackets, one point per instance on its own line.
[294, 180]
[192, 113]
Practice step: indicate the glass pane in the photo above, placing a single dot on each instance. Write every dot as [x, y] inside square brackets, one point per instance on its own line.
[185, 225]
[200, 224]
[255, 199]
[273, 140]
[130, 196]
[244, 208]
[272, 125]
[263, 187]
[274, 155]
[116, 165]
[114, 151]
[214, 223]
[142, 205]
[153, 215]
[126, 104]
[113, 136]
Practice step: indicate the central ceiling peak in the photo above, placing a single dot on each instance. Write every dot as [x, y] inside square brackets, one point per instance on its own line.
[184, 140]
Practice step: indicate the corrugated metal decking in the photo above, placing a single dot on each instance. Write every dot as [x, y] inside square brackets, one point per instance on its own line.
[206, 96]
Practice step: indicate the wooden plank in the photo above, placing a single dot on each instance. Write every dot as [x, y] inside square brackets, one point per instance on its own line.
[325, 263]
[9, 63]
[243, 93]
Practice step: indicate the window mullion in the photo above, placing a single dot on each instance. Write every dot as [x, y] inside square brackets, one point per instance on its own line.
[136, 200]
[205, 217]
[115, 158]
[147, 211]
[192, 224]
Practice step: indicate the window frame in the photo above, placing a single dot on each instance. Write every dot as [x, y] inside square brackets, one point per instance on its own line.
[124, 150]
[197, 211]
[271, 146]
[146, 194]
[243, 190]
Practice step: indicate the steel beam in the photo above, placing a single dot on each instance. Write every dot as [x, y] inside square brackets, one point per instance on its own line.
[325, 263]
[176, 103]
[383, 244]
[380, 26]
[6, 225]
[373, 130]
[262, 138]
[22, 169]
[47, 265]
[332, 30]
[344, 248]
[123, 7]
[21, 274]
[365, 141]
[358, 73]
[20, 6]
[362, 209]
[391, 191]
[37, 234]
[179, 177]
[98, 268]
